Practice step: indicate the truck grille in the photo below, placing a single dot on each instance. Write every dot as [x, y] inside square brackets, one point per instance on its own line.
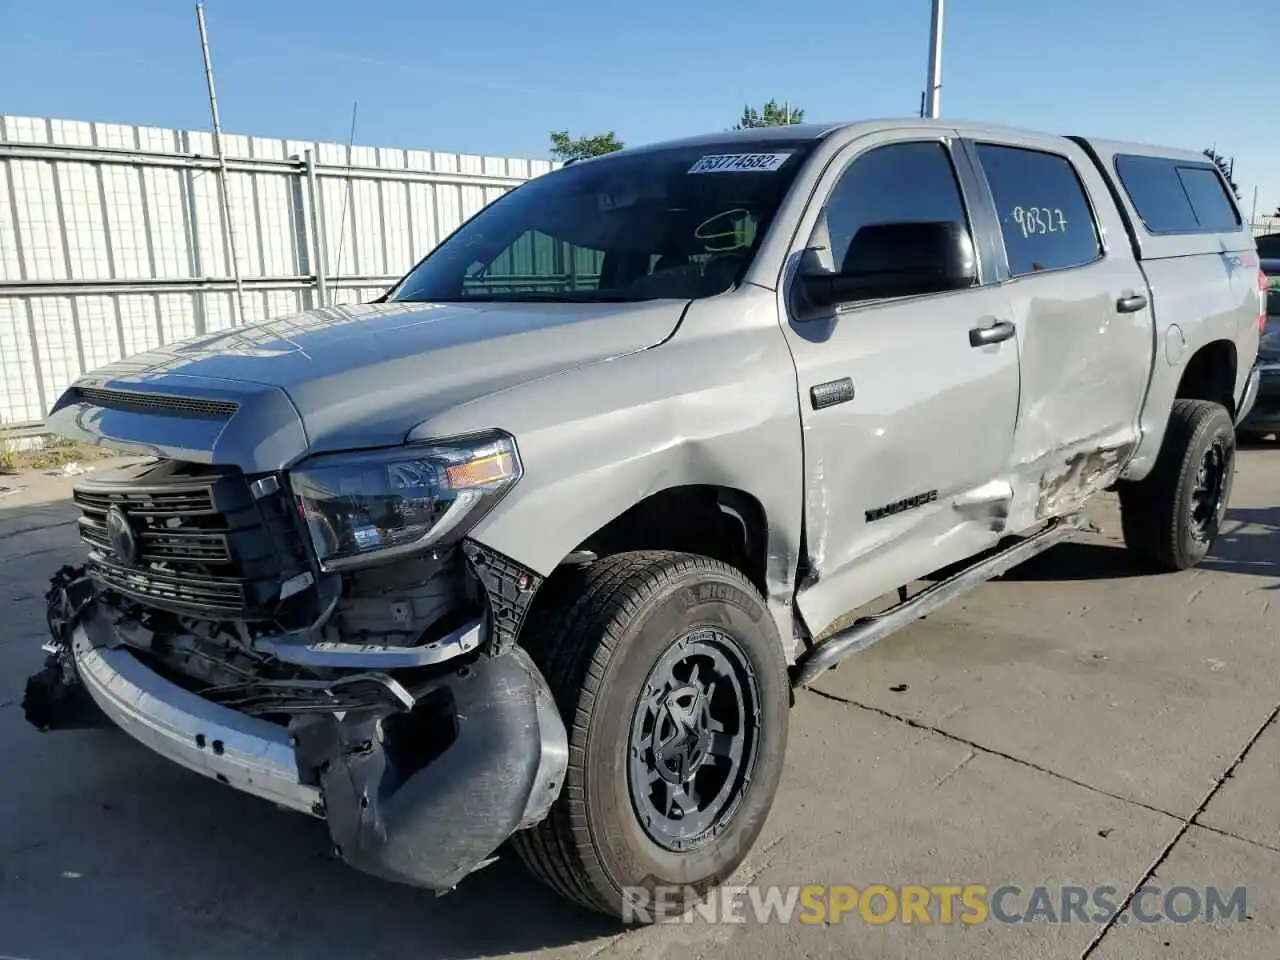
[190, 539]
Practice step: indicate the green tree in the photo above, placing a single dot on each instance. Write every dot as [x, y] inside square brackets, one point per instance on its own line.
[1228, 168]
[565, 148]
[774, 114]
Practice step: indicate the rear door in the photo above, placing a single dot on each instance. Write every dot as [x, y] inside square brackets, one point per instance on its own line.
[1085, 328]
[904, 419]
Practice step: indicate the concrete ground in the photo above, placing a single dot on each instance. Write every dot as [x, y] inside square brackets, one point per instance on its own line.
[1070, 724]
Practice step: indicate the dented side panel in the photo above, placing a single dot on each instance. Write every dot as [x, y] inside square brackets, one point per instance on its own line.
[1203, 290]
[1085, 363]
[716, 404]
[1085, 369]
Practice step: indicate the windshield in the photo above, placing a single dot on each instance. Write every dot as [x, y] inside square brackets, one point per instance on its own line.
[1273, 290]
[676, 223]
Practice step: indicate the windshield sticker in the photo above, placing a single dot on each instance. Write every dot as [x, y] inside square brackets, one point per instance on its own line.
[740, 163]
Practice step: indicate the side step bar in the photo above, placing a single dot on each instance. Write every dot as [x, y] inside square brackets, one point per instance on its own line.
[870, 630]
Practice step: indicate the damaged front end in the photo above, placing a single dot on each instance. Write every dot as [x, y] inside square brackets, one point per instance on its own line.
[388, 699]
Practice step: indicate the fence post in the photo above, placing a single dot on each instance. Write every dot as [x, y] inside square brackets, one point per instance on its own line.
[315, 238]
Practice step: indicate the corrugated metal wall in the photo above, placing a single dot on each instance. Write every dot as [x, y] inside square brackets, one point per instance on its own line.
[112, 239]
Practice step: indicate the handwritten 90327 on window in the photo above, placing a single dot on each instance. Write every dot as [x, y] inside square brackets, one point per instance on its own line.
[1033, 221]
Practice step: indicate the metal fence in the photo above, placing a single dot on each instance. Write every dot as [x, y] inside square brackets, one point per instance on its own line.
[112, 239]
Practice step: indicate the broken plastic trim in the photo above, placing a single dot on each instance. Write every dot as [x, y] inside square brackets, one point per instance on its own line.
[429, 825]
[356, 691]
[54, 698]
[372, 656]
[509, 588]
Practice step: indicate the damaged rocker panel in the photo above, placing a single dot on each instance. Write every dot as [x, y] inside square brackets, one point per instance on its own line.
[1082, 475]
[870, 630]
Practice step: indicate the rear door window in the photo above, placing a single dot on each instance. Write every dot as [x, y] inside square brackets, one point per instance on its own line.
[1045, 216]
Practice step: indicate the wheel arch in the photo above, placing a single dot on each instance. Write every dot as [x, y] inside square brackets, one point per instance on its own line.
[1209, 372]
[714, 520]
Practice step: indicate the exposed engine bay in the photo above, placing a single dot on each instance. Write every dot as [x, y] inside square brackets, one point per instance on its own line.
[388, 607]
[206, 576]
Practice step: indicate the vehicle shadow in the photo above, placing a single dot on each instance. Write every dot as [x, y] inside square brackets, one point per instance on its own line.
[154, 861]
[1249, 544]
[1258, 442]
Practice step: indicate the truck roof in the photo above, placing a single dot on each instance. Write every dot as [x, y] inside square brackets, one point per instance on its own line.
[819, 131]
[785, 132]
[1110, 148]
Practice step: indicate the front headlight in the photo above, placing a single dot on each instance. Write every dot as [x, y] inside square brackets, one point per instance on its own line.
[366, 507]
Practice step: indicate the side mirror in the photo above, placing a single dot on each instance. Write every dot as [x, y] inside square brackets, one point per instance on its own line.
[898, 260]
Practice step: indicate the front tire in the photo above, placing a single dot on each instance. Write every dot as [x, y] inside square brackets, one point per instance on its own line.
[1171, 517]
[669, 673]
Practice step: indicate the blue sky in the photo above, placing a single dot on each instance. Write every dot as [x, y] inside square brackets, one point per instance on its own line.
[495, 77]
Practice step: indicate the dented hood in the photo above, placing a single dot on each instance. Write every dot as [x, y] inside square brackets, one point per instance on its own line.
[341, 378]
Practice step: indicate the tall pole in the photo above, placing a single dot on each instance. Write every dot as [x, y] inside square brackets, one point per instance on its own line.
[316, 245]
[934, 89]
[222, 165]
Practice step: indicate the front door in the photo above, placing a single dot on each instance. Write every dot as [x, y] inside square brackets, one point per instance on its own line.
[908, 416]
[1084, 324]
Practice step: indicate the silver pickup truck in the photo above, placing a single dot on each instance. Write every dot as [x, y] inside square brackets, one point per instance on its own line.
[537, 547]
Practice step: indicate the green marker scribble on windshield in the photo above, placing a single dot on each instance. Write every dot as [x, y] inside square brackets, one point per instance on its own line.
[740, 234]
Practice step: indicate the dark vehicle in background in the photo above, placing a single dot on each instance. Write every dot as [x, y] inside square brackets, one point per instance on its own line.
[1264, 419]
[1269, 246]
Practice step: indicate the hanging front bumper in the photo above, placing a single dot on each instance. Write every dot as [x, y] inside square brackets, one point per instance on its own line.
[396, 806]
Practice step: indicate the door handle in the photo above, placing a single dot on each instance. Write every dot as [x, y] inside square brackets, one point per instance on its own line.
[1131, 303]
[997, 332]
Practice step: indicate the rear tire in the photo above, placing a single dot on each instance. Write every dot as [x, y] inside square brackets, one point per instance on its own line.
[661, 663]
[1172, 516]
